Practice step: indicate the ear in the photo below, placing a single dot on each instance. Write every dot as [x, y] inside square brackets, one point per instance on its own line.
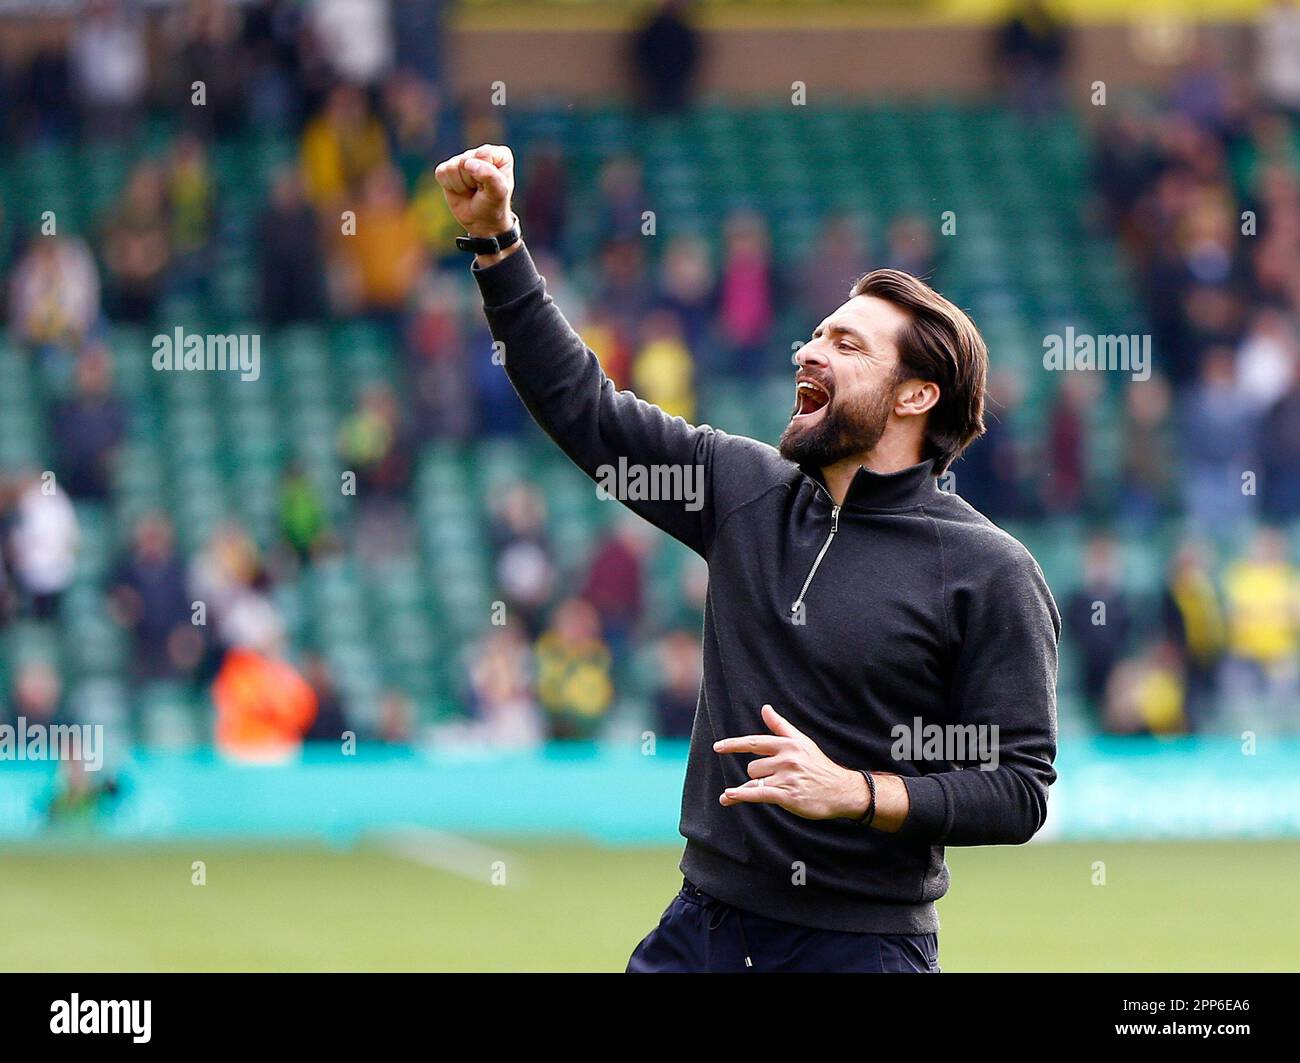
[915, 397]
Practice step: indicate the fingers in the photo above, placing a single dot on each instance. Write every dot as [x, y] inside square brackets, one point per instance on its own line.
[497, 154]
[778, 724]
[782, 731]
[764, 744]
[752, 793]
[488, 178]
[452, 178]
[486, 167]
[764, 767]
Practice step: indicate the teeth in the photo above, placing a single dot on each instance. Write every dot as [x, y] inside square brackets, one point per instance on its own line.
[808, 388]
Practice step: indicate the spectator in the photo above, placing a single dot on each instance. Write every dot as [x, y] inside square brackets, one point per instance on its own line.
[623, 296]
[191, 198]
[665, 57]
[341, 147]
[1203, 92]
[207, 48]
[137, 246]
[1267, 359]
[81, 794]
[1193, 624]
[747, 293]
[1125, 164]
[330, 721]
[292, 268]
[1031, 50]
[615, 582]
[1147, 464]
[622, 198]
[89, 428]
[1099, 619]
[303, 520]
[383, 259]
[989, 472]
[1277, 43]
[37, 694]
[45, 96]
[442, 379]
[545, 199]
[610, 341]
[423, 132]
[44, 541]
[414, 114]
[1218, 447]
[230, 579]
[264, 706]
[678, 692]
[1280, 449]
[276, 86]
[149, 598]
[1145, 694]
[499, 411]
[663, 372]
[525, 568]
[355, 38]
[54, 294]
[1067, 436]
[396, 719]
[374, 443]
[573, 672]
[501, 696]
[687, 287]
[110, 67]
[1263, 621]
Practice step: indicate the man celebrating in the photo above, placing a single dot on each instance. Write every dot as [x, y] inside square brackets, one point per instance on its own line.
[855, 612]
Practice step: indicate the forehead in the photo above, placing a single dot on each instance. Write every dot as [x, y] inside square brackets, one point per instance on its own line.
[877, 320]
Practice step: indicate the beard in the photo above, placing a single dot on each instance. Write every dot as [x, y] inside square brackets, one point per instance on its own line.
[847, 427]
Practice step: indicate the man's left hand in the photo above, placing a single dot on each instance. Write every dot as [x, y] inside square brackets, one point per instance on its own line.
[792, 772]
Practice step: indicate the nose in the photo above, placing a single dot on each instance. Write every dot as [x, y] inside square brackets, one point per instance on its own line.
[810, 354]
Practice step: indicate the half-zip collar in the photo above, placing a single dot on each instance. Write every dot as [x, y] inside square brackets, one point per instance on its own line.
[830, 538]
[868, 491]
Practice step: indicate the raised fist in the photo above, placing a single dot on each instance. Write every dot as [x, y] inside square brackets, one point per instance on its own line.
[478, 185]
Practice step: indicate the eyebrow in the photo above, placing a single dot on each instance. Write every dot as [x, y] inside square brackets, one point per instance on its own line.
[845, 330]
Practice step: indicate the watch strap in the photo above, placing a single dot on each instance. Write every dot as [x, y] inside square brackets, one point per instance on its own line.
[490, 245]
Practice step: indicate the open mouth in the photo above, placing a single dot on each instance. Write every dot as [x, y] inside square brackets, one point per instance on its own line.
[809, 397]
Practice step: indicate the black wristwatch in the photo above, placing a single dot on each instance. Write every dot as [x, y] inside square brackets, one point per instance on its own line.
[490, 245]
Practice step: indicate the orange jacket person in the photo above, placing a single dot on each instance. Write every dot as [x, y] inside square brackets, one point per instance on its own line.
[264, 706]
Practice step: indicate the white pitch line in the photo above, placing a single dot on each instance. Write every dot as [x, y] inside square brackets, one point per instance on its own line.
[452, 853]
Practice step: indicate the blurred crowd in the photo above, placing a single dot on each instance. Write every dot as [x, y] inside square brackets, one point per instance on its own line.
[1202, 187]
[1198, 185]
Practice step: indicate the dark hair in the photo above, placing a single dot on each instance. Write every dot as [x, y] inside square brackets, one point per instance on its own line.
[942, 345]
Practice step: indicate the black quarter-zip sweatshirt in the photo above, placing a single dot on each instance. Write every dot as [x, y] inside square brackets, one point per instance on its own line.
[902, 604]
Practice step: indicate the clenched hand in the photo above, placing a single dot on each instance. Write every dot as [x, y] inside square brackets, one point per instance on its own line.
[478, 185]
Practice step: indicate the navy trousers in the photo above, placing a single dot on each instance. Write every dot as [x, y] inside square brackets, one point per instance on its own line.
[699, 933]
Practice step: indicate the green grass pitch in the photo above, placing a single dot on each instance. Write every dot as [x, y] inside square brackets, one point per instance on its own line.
[577, 907]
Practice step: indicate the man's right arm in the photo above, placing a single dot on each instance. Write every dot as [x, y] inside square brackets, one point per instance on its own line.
[611, 435]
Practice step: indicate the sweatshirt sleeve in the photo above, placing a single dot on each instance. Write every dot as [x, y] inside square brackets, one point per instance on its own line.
[658, 465]
[1005, 678]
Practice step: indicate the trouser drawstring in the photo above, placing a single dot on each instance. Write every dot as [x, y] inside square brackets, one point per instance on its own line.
[716, 919]
[744, 942]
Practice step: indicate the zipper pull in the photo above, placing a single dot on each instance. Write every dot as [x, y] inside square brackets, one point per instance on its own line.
[835, 519]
